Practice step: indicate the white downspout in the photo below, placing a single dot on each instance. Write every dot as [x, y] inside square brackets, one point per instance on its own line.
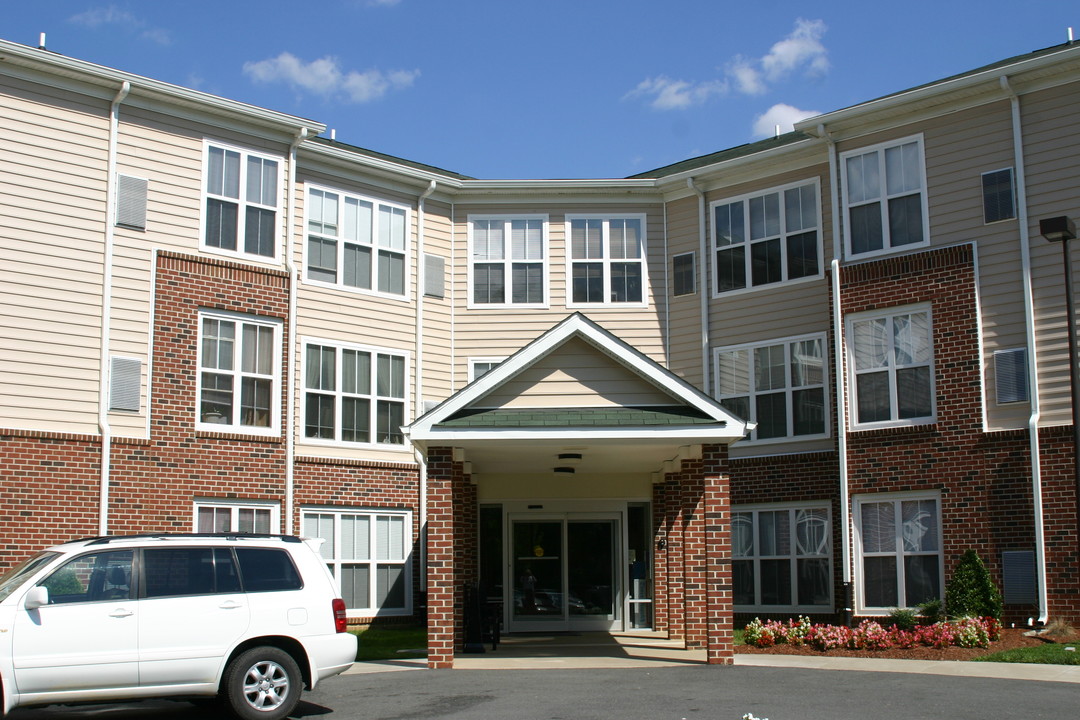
[290, 381]
[706, 385]
[1033, 365]
[838, 362]
[418, 370]
[104, 374]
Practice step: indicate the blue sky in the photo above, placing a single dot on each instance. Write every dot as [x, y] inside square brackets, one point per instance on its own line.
[549, 88]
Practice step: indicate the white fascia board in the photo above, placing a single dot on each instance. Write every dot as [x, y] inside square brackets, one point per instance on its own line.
[665, 435]
[52, 63]
[674, 186]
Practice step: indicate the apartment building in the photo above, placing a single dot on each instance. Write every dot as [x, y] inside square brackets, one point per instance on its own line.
[800, 376]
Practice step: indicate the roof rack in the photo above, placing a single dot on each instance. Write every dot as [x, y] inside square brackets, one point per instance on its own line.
[106, 539]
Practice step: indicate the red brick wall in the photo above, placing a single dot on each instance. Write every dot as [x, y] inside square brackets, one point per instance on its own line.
[50, 491]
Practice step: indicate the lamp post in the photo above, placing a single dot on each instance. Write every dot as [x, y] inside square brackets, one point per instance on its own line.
[1062, 229]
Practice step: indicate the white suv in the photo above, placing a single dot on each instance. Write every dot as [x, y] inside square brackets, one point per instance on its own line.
[248, 618]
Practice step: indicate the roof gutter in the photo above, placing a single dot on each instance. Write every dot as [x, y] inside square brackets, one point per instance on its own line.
[703, 288]
[838, 361]
[104, 373]
[290, 380]
[418, 373]
[1032, 359]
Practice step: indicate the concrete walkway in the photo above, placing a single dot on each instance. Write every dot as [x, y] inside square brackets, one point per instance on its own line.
[651, 650]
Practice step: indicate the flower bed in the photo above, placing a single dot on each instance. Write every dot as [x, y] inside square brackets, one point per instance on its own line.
[870, 635]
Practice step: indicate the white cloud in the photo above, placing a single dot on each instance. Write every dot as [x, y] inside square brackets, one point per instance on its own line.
[112, 15]
[780, 114]
[747, 78]
[802, 48]
[669, 94]
[325, 77]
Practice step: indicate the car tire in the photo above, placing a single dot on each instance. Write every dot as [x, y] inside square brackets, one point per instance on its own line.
[262, 683]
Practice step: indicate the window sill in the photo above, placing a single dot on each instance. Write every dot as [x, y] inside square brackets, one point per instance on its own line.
[930, 428]
[237, 435]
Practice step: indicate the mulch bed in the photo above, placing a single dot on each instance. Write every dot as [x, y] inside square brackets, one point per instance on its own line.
[1010, 638]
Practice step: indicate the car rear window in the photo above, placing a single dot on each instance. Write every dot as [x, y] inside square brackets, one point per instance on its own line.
[267, 570]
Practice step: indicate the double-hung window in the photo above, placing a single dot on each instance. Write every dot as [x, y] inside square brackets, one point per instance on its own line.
[885, 197]
[353, 394]
[368, 554]
[219, 516]
[892, 367]
[767, 238]
[899, 544]
[508, 261]
[606, 260]
[243, 191]
[781, 557]
[356, 242]
[239, 384]
[778, 385]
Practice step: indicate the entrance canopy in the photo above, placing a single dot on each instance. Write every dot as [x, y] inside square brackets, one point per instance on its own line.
[577, 397]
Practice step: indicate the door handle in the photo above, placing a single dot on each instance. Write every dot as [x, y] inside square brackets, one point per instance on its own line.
[121, 613]
[230, 605]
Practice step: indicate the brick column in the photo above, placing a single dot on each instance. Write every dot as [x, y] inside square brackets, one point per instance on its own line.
[695, 601]
[440, 553]
[676, 563]
[716, 512]
[660, 589]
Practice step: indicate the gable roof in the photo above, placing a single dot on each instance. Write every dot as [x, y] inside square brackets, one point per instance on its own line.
[690, 417]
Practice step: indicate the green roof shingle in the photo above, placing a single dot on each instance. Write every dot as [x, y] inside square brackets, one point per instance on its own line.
[579, 417]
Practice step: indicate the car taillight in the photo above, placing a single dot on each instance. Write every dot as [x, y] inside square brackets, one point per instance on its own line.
[339, 615]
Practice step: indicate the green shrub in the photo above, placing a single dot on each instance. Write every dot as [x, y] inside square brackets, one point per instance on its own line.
[970, 592]
[931, 611]
[902, 619]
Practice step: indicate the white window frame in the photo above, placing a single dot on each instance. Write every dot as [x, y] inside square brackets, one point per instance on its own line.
[235, 507]
[793, 555]
[376, 245]
[899, 552]
[508, 262]
[331, 555]
[748, 243]
[884, 196]
[234, 423]
[474, 361]
[1012, 190]
[892, 367]
[606, 260]
[373, 397]
[789, 389]
[242, 202]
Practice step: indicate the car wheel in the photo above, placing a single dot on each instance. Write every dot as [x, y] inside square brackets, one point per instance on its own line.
[262, 683]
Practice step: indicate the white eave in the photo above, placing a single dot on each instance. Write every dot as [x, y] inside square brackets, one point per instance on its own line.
[36, 59]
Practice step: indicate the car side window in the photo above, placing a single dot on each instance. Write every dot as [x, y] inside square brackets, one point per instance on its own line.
[172, 572]
[93, 577]
[267, 570]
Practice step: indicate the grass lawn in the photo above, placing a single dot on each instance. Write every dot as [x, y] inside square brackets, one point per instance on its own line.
[1048, 654]
[390, 642]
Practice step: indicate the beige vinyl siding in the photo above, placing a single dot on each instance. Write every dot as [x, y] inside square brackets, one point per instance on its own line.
[438, 313]
[338, 315]
[575, 375]
[684, 319]
[959, 148]
[501, 331]
[1052, 157]
[52, 199]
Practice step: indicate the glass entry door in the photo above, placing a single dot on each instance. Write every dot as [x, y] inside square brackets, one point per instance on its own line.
[563, 574]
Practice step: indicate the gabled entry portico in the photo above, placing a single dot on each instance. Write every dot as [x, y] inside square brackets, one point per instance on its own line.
[583, 486]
